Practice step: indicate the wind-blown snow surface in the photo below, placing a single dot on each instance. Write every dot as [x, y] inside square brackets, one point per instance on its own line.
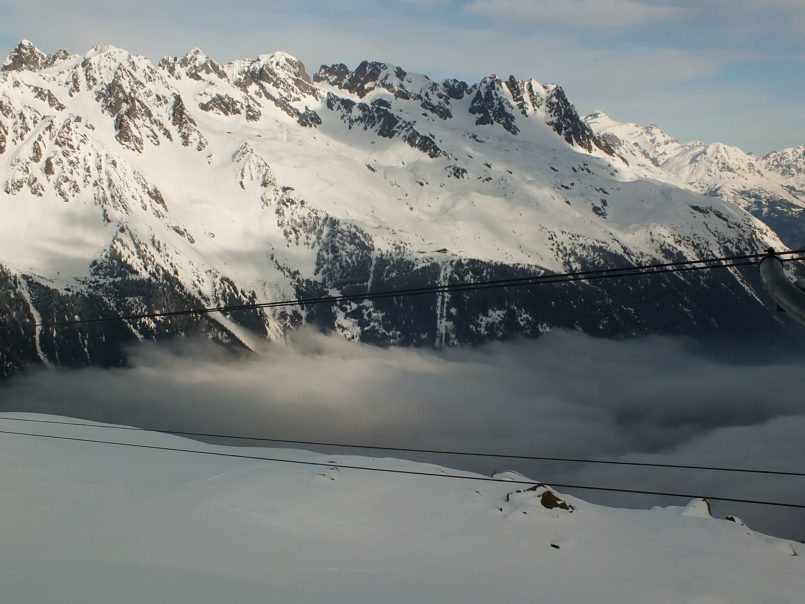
[83, 522]
[128, 187]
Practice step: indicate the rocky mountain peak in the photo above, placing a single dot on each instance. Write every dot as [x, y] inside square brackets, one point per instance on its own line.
[373, 76]
[455, 89]
[789, 163]
[491, 105]
[105, 64]
[729, 159]
[196, 54]
[25, 56]
[334, 74]
[566, 122]
[197, 64]
[283, 61]
[528, 95]
[497, 101]
[278, 64]
[367, 77]
[278, 75]
[110, 52]
[60, 55]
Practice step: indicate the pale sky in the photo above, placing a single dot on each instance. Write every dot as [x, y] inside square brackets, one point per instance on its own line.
[714, 70]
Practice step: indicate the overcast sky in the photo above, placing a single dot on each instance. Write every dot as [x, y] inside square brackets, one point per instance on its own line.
[564, 395]
[726, 70]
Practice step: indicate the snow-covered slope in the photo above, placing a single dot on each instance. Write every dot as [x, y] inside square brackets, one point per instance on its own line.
[772, 188]
[85, 522]
[127, 186]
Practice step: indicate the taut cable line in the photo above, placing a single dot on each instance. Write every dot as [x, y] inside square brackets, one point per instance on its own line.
[445, 475]
[342, 445]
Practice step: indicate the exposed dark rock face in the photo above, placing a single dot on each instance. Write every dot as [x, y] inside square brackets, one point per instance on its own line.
[48, 97]
[493, 101]
[18, 349]
[456, 172]
[196, 65]
[378, 118]
[335, 75]
[222, 104]
[309, 118]
[524, 95]
[567, 123]
[134, 120]
[364, 79]
[374, 76]
[455, 89]
[186, 125]
[480, 316]
[290, 78]
[490, 106]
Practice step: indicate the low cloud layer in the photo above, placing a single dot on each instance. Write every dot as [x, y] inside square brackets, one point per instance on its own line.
[569, 395]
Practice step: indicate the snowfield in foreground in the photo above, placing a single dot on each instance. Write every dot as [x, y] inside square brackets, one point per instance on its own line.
[83, 522]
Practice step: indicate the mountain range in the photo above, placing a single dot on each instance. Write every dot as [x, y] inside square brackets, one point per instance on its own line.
[128, 186]
[771, 188]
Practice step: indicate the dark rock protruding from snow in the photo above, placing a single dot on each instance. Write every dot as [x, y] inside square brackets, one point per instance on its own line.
[373, 76]
[366, 77]
[566, 122]
[379, 118]
[490, 106]
[455, 89]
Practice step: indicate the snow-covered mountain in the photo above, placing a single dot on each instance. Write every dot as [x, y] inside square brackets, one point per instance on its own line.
[772, 188]
[128, 186]
[88, 522]
[789, 163]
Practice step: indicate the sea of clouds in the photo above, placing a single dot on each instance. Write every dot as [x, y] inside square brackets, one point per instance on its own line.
[655, 399]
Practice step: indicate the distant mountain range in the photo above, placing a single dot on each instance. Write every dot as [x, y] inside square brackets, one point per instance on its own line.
[771, 188]
[128, 186]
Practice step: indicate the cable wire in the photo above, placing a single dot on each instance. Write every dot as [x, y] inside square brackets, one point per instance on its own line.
[612, 273]
[407, 450]
[410, 472]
